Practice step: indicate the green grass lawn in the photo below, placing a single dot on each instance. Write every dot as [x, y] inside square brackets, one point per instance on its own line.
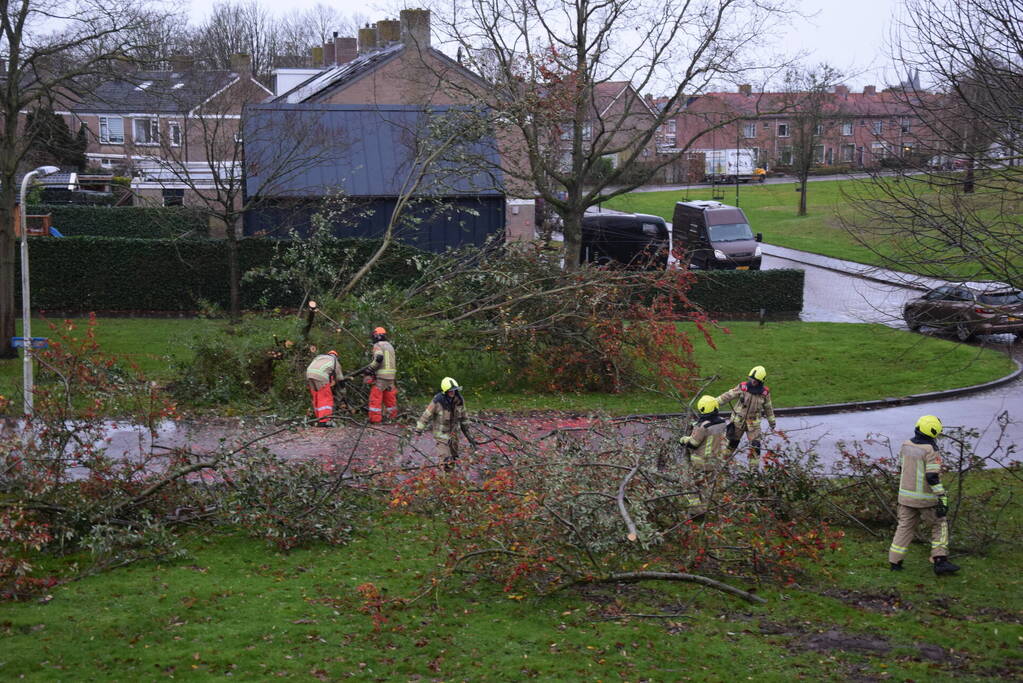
[807, 364]
[238, 609]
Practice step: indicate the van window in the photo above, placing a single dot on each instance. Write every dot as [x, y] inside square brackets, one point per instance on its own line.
[730, 232]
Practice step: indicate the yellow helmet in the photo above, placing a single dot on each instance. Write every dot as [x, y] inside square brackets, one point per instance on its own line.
[758, 373]
[707, 405]
[929, 425]
[449, 383]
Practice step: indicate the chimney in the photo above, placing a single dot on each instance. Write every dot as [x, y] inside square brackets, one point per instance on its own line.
[316, 55]
[842, 90]
[328, 51]
[388, 32]
[415, 27]
[182, 62]
[367, 39]
[746, 89]
[869, 90]
[241, 62]
[345, 50]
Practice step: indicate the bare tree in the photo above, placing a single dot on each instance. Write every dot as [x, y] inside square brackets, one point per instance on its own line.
[954, 213]
[565, 77]
[237, 27]
[207, 161]
[807, 95]
[50, 50]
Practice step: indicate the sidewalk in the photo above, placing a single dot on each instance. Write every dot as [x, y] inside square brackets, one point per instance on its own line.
[867, 272]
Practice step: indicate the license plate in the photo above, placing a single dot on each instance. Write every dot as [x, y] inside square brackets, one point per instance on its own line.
[742, 267]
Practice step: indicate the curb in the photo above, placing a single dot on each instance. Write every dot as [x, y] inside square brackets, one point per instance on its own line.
[849, 272]
[831, 408]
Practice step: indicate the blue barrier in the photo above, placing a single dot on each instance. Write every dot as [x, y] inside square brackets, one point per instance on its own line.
[36, 342]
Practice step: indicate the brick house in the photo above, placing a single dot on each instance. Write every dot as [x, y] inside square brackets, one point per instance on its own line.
[858, 130]
[619, 111]
[186, 118]
[392, 63]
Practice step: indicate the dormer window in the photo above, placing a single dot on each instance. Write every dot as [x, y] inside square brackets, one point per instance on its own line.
[143, 85]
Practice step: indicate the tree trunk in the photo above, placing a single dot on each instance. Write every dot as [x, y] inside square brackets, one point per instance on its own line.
[968, 180]
[572, 229]
[233, 271]
[8, 261]
[802, 196]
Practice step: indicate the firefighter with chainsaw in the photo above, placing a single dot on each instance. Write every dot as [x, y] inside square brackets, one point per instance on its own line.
[705, 449]
[380, 375]
[922, 498]
[321, 375]
[754, 402]
[445, 412]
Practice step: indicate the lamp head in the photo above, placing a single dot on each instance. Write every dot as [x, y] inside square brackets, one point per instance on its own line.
[46, 170]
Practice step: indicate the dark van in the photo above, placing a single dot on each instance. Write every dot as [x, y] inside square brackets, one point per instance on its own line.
[635, 240]
[715, 236]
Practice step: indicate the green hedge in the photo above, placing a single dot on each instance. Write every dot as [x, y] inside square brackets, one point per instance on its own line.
[74, 220]
[779, 292]
[140, 275]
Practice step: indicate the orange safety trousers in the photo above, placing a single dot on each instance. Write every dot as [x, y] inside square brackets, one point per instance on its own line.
[323, 401]
[379, 398]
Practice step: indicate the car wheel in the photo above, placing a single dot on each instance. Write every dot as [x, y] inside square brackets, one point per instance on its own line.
[912, 323]
[964, 332]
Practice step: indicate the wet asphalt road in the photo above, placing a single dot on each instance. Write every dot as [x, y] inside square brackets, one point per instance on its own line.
[832, 296]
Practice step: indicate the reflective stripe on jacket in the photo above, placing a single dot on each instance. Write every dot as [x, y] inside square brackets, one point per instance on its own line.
[707, 442]
[445, 416]
[916, 460]
[323, 368]
[751, 406]
[388, 368]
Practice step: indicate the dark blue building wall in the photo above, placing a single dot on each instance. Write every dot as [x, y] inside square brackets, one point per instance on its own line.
[441, 225]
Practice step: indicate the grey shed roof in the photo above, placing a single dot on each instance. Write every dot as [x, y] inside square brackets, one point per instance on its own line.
[363, 151]
[155, 92]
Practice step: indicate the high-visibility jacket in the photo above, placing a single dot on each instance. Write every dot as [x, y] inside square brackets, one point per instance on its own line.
[751, 406]
[916, 461]
[384, 363]
[445, 414]
[707, 443]
[323, 368]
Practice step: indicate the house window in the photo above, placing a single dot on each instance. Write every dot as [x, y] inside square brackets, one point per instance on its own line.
[587, 130]
[174, 197]
[106, 163]
[818, 154]
[111, 130]
[847, 128]
[847, 153]
[818, 129]
[672, 126]
[879, 150]
[174, 132]
[146, 131]
[906, 125]
[877, 127]
[785, 158]
[749, 130]
[783, 130]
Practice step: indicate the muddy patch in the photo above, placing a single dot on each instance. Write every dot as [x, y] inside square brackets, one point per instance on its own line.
[832, 640]
[888, 602]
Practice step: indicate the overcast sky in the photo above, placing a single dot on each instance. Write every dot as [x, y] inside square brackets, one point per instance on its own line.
[851, 35]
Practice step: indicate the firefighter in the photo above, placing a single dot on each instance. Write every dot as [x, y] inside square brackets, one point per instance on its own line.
[381, 373]
[705, 446]
[754, 402]
[922, 498]
[321, 376]
[445, 410]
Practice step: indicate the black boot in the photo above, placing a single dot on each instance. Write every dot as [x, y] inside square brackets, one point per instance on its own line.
[896, 566]
[943, 566]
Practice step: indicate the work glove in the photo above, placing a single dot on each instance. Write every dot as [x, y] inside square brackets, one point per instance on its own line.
[368, 379]
[773, 425]
[942, 505]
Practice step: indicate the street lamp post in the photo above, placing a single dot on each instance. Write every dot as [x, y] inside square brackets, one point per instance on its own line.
[26, 309]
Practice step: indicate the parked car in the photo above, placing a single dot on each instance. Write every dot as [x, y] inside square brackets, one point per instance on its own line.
[968, 309]
[635, 240]
[715, 236]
